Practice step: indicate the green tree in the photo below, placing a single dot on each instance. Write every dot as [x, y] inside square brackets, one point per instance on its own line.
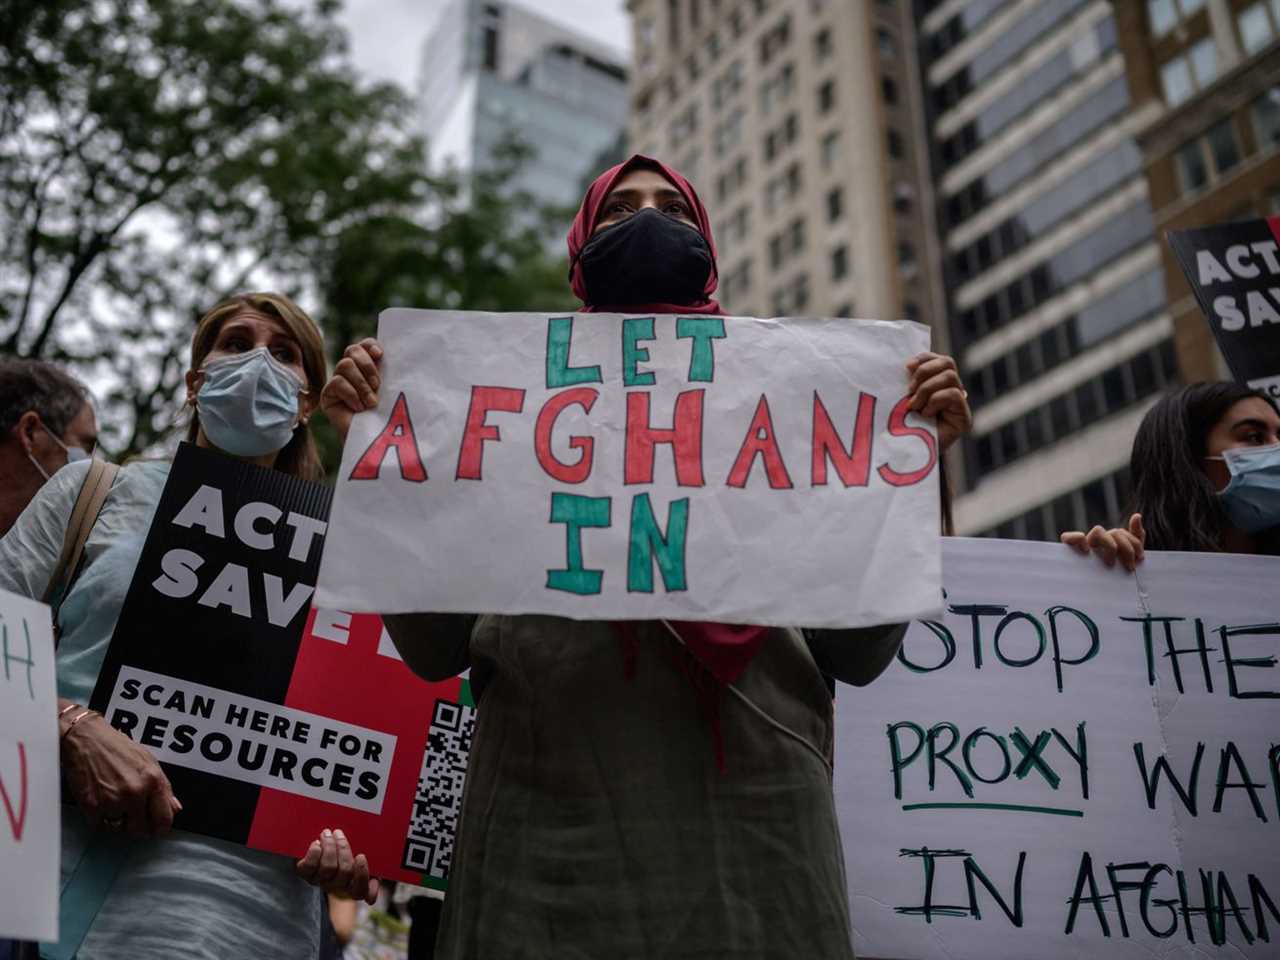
[157, 156]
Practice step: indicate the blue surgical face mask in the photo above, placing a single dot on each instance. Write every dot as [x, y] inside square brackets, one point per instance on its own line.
[249, 403]
[73, 453]
[1252, 496]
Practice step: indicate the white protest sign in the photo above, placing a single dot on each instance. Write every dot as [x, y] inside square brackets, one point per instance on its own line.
[1073, 763]
[601, 466]
[29, 814]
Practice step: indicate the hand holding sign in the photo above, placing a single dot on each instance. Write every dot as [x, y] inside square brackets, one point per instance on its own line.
[1127, 545]
[354, 384]
[115, 781]
[936, 391]
[330, 865]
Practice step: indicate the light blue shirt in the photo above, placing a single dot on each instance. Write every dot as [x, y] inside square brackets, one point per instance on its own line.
[183, 895]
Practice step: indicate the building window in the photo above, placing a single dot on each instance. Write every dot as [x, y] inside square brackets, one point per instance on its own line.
[777, 89]
[839, 263]
[684, 126]
[844, 310]
[906, 255]
[491, 48]
[826, 96]
[895, 144]
[830, 150]
[796, 236]
[1193, 170]
[1165, 14]
[884, 43]
[673, 23]
[773, 41]
[1116, 389]
[1186, 73]
[1258, 25]
[822, 45]
[835, 205]
[889, 90]
[903, 194]
[800, 293]
[1266, 119]
[1223, 147]
[1204, 159]
[738, 281]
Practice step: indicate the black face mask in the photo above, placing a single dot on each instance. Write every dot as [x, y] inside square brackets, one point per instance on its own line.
[647, 258]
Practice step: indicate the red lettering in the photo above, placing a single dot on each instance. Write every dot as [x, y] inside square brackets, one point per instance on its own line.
[685, 437]
[898, 427]
[17, 823]
[761, 440]
[396, 435]
[584, 397]
[477, 430]
[854, 467]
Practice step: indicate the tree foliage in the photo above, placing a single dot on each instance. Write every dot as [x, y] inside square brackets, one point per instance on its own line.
[157, 155]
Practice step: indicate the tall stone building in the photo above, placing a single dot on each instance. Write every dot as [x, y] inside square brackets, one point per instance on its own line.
[1208, 74]
[799, 123]
[1054, 274]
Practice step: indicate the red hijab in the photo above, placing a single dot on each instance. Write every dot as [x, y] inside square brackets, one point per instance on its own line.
[724, 649]
[584, 224]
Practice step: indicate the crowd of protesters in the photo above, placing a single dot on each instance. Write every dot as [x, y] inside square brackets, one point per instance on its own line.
[630, 839]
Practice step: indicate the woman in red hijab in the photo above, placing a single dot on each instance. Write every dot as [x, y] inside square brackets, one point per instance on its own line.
[654, 789]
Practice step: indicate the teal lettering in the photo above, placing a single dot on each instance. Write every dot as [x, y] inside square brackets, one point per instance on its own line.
[702, 354]
[648, 544]
[635, 329]
[559, 373]
[576, 512]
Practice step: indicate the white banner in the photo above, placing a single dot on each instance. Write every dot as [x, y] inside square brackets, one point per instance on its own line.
[1073, 763]
[29, 783]
[600, 466]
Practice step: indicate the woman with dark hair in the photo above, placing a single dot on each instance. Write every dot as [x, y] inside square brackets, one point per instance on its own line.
[1205, 470]
[642, 789]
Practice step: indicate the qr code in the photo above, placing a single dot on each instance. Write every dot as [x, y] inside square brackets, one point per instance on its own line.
[437, 802]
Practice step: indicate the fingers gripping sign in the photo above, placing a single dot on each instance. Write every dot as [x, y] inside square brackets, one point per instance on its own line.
[936, 390]
[1126, 544]
[330, 865]
[353, 388]
[117, 783]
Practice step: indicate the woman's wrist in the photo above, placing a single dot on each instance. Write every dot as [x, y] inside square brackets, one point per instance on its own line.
[72, 716]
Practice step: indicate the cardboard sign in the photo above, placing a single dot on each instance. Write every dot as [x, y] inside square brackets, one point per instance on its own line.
[1072, 763]
[1234, 270]
[600, 466]
[30, 829]
[273, 720]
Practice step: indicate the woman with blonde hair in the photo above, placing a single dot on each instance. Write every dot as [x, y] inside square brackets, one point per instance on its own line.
[257, 368]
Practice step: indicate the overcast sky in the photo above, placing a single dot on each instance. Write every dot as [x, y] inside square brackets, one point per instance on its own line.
[387, 35]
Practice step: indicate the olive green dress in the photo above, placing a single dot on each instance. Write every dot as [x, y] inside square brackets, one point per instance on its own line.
[596, 822]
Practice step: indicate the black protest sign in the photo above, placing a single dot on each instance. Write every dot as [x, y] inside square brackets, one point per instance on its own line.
[209, 633]
[1234, 270]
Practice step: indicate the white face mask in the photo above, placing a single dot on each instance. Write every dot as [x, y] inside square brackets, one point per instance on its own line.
[73, 453]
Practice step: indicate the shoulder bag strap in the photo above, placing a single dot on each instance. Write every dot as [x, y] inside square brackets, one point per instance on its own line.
[93, 494]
